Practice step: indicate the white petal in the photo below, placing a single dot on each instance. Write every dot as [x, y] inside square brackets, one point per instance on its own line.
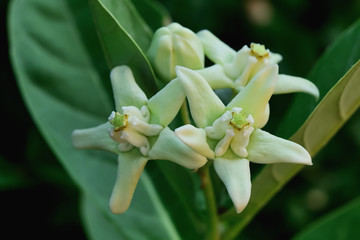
[235, 174]
[241, 61]
[205, 105]
[136, 139]
[165, 104]
[96, 137]
[290, 84]
[240, 141]
[143, 127]
[132, 111]
[224, 143]
[256, 95]
[125, 89]
[169, 147]
[275, 57]
[246, 74]
[216, 77]
[130, 167]
[218, 129]
[216, 50]
[267, 148]
[194, 138]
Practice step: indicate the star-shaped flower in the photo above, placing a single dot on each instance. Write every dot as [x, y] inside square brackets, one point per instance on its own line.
[231, 134]
[238, 68]
[137, 131]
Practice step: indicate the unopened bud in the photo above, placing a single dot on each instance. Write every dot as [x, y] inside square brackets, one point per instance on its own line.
[175, 45]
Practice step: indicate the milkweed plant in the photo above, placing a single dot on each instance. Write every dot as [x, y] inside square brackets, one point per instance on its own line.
[204, 113]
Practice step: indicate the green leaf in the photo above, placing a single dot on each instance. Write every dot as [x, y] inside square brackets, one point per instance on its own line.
[60, 71]
[334, 63]
[342, 223]
[328, 117]
[124, 37]
[153, 12]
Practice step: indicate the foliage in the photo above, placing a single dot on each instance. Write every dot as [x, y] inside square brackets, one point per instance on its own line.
[61, 61]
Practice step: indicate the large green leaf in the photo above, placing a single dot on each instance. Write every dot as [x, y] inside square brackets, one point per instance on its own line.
[332, 65]
[153, 12]
[331, 113]
[124, 37]
[342, 223]
[60, 70]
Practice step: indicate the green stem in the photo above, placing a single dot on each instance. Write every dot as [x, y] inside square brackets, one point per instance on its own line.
[185, 113]
[212, 231]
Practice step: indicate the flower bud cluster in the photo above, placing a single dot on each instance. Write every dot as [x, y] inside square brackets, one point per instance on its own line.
[229, 135]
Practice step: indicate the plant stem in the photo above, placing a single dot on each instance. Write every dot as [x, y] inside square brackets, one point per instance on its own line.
[212, 231]
[185, 113]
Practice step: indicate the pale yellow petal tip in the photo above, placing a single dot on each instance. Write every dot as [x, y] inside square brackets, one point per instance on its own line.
[116, 207]
[239, 207]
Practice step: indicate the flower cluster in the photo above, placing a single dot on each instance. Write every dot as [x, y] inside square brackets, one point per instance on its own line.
[229, 135]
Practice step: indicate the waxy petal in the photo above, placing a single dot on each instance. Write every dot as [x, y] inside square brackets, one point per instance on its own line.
[216, 77]
[136, 139]
[166, 103]
[253, 98]
[290, 84]
[125, 89]
[235, 174]
[267, 148]
[169, 147]
[96, 138]
[223, 145]
[240, 141]
[205, 105]
[130, 166]
[216, 50]
[194, 138]
[144, 127]
[219, 127]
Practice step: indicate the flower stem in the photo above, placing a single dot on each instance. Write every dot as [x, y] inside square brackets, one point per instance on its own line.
[212, 231]
[185, 113]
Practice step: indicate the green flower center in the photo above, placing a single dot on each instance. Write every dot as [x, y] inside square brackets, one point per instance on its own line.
[239, 120]
[118, 120]
[258, 51]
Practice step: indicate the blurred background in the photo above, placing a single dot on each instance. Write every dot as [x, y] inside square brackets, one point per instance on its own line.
[38, 199]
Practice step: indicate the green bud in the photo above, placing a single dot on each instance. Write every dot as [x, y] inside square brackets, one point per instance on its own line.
[175, 45]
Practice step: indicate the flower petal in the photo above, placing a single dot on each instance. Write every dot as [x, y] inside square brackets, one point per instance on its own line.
[136, 139]
[215, 49]
[205, 105]
[166, 103]
[96, 137]
[267, 148]
[125, 89]
[169, 147]
[253, 98]
[235, 174]
[275, 57]
[290, 84]
[238, 65]
[194, 138]
[216, 77]
[130, 166]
